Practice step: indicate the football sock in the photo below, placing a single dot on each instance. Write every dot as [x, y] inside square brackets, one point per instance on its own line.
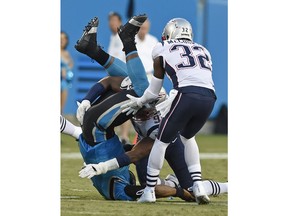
[129, 47]
[155, 162]
[68, 128]
[101, 56]
[137, 75]
[215, 188]
[117, 68]
[195, 172]
[152, 177]
[192, 158]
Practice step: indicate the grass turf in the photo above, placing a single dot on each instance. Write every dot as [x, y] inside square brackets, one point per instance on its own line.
[79, 197]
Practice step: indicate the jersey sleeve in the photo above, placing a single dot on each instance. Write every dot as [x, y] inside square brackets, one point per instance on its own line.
[157, 51]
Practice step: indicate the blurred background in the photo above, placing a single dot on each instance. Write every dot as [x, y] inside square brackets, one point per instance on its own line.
[209, 23]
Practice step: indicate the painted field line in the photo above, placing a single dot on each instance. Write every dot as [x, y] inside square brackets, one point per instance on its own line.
[203, 156]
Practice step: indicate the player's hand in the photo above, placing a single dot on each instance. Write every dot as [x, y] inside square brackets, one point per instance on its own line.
[82, 108]
[132, 106]
[90, 170]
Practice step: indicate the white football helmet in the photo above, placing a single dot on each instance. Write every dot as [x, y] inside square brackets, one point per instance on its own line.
[177, 28]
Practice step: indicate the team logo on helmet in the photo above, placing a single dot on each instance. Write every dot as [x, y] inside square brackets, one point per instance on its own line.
[126, 84]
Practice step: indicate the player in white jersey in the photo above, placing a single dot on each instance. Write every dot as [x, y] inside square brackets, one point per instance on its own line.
[189, 67]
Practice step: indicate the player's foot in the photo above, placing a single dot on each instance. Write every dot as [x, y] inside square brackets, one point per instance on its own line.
[147, 196]
[172, 178]
[130, 29]
[87, 44]
[200, 193]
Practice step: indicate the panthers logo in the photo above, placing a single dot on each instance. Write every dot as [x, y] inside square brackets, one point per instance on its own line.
[126, 84]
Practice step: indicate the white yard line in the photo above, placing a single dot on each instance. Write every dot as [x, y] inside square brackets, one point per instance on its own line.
[203, 156]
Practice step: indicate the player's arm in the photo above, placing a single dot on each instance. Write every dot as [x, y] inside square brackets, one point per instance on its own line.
[99, 88]
[105, 84]
[139, 151]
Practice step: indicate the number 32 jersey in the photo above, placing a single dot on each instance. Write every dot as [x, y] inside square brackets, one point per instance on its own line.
[186, 63]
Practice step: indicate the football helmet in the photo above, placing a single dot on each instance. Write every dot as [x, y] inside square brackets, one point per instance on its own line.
[177, 28]
[126, 84]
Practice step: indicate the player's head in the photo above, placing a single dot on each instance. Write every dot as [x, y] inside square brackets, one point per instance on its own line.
[148, 110]
[177, 28]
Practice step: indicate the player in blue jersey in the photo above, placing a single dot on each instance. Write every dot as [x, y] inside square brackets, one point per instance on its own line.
[118, 184]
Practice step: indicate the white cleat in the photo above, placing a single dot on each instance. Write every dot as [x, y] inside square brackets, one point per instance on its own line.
[200, 193]
[148, 196]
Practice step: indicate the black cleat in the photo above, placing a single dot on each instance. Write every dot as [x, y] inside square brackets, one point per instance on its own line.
[87, 44]
[130, 29]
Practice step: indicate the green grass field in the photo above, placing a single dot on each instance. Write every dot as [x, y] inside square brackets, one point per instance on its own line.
[79, 197]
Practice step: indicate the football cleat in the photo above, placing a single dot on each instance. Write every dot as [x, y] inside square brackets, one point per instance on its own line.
[147, 196]
[87, 44]
[130, 29]
[199, 193]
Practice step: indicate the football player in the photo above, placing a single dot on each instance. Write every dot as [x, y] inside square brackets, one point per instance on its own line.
[189, 67]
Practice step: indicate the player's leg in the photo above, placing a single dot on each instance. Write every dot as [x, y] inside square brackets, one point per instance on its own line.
[200, 108]
[215, 188]
[88, 45]
[175, 158]
[135, 68]
[66, 127]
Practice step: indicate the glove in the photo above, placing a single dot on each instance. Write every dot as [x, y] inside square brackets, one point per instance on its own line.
[90, 170]
[82, 108]
[132, 106]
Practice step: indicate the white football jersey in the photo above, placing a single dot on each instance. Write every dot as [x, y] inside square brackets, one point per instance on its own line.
[186, 63]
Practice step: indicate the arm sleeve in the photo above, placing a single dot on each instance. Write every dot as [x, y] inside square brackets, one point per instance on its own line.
[94, 92]
[152, 92]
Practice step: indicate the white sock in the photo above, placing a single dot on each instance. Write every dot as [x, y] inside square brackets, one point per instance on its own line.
[155, 162]
[192, 157]
[68, 128]
[215, 188]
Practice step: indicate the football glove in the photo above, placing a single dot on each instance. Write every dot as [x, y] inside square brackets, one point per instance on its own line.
[82, 108]
[132, 106]
[90, 170]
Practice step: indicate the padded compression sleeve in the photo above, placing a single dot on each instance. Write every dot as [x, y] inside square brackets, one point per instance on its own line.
[152, 92]
[94, 92]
